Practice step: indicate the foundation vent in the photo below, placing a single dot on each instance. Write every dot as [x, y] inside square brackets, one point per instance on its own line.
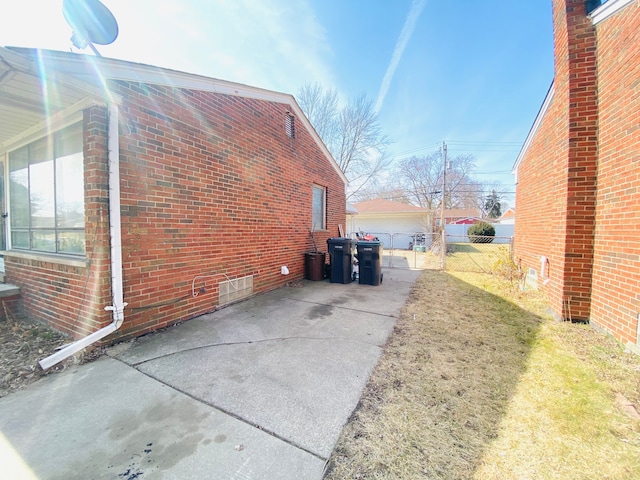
[236, 289]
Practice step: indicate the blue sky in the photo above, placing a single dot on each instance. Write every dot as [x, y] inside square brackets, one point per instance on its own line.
[468, 72]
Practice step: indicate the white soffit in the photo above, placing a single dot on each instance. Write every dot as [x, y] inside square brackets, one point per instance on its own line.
[607, 9]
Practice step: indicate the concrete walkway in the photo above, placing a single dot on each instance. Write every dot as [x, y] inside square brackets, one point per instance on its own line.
[258, 390]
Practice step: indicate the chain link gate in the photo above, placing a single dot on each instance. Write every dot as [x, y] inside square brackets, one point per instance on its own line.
[417, 251]
[422, 251]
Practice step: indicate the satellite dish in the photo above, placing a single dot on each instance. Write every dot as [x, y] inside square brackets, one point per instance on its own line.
[91, 22]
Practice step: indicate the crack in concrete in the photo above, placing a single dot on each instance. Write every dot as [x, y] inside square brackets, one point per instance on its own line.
[230, 414]
[246, 342]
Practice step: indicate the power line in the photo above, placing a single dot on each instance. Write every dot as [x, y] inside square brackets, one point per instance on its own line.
[478, 142]
[433, 146]
[469, 147]
[497, 172]
[455, 191]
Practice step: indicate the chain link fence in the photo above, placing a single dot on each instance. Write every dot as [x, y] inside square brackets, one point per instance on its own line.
[475, 254]
[422, 251]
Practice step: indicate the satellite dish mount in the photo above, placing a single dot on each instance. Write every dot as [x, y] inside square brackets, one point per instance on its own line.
[91, 22]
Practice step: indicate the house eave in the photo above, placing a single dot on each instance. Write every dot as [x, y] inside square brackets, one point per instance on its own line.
[83, 67]
[607, 9]
[31, 98]
[534, 129]
[413, 213]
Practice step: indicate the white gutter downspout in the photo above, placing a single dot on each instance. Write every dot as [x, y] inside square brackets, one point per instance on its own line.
[116, 250]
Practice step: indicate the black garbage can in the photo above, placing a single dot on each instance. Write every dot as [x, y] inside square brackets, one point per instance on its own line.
[340, 259]
[314, 265]
[369, 262]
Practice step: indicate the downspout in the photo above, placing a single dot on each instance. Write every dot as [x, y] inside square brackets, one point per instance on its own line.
[116, 250]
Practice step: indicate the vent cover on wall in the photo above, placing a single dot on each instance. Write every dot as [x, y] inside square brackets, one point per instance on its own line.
[289, 125]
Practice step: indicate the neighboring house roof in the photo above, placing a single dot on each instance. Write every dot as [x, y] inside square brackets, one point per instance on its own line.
[380, 205]
[75, 77]
[510, 213]
[461, 213]
[465, 221]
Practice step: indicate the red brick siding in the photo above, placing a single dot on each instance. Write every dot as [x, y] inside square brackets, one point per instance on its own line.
[541, 201]
[582, 161]
[541, 188]
[556, 180]
[578, 192]
[616, 279]
[70, 298]
[211, 185]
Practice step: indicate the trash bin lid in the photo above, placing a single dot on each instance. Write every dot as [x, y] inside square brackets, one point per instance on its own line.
[369, 243]
[339, 241]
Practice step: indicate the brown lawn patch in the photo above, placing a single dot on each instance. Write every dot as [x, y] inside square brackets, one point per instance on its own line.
[476, 383]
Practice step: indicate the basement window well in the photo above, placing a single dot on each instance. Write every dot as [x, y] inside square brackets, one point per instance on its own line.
[236, 289]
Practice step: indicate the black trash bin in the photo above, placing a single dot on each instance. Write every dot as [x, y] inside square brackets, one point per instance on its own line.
[314, 265]
[369, 262]
[340, 258]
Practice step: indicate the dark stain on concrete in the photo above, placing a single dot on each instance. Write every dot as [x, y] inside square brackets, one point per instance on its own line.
[320, 311]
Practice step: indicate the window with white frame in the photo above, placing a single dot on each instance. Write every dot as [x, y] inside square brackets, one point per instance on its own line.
[46, 194]
[319, 208]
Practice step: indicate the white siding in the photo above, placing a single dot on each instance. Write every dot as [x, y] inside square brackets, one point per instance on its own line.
[385, 225]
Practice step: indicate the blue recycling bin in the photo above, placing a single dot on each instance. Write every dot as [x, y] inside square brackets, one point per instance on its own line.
[369, 254]
[340, 259]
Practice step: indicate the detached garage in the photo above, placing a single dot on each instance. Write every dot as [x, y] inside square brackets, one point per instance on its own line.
[387, 217]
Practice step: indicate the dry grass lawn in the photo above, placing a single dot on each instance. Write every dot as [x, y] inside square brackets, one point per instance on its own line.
[476, 383]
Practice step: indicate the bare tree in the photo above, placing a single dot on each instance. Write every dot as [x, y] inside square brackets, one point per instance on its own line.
[394, 193]
[351, 133]
[421, 179]
[321, 108]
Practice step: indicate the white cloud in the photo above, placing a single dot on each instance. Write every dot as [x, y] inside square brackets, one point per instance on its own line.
[269, 44]
[407, 30]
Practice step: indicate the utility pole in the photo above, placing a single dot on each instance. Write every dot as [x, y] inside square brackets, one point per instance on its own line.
[444, 193]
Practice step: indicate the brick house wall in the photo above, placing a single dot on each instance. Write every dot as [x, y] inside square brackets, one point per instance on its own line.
[578, 181]
[556, 180]
[70, 295]
[212, 189]
[616, 273]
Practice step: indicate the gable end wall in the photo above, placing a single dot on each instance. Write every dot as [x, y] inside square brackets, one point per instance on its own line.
[213, 189]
